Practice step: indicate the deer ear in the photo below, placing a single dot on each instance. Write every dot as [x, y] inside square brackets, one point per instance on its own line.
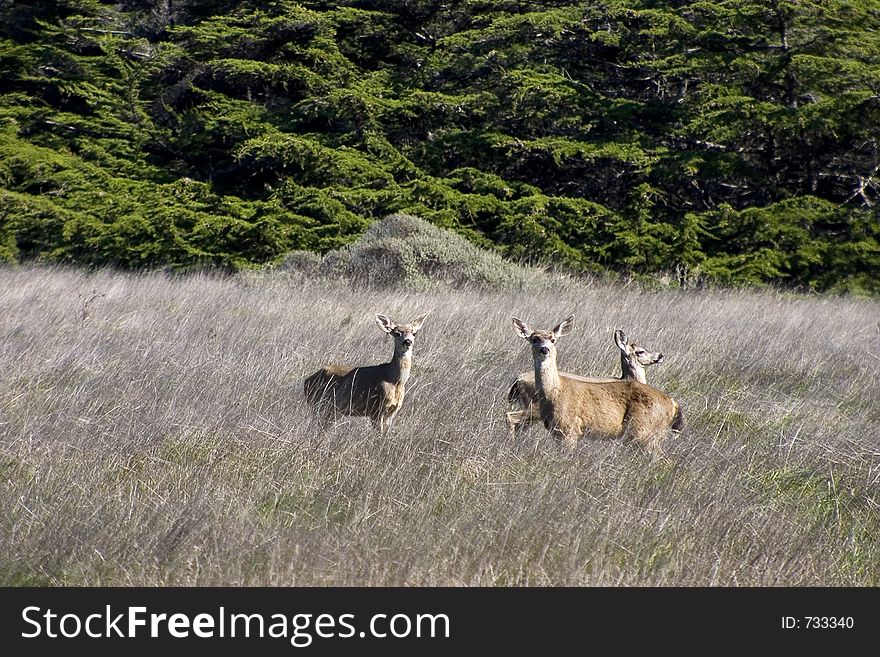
[620, 340]
[564, 327]
[416, 324]
[384, 323]
[521, 328]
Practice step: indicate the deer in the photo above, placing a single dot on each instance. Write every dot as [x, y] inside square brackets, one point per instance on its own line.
[374, 391]
[572, 408]
[633, 361]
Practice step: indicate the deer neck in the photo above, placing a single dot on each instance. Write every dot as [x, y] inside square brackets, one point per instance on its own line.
[400, 366]
[632, 371]
[547, 378]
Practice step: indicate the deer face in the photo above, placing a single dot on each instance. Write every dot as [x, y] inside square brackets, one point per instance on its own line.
[404, 334]
[644, 357]
[634, 354]
[543, 342]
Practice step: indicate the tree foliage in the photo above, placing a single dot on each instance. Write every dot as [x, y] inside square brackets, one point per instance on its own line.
[734, 141]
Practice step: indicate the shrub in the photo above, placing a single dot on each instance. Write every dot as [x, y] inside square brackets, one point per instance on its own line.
[405, 249]
[305, 262]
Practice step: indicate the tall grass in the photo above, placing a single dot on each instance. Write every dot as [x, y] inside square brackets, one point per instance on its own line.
[153, 431]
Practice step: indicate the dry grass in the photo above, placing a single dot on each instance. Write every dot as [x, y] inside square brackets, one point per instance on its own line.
[157, 435]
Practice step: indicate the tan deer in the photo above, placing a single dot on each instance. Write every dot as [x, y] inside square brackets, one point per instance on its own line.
[572, 408]
[374, 391]
[633, 361]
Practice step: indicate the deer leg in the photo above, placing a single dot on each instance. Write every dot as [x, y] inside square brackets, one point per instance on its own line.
[320, 416]
[382, 421]
[650, 439]
[658, 454]
[514, 419]
[566, 438]
[389, 420]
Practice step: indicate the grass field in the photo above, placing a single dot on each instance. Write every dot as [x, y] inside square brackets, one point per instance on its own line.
[153, 432]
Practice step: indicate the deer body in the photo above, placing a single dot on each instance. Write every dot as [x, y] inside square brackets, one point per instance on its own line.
[571, 408]
[523, 392]
[374, 391]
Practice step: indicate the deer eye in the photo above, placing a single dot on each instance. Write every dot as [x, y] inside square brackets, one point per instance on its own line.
[395, 333]
[536, 340]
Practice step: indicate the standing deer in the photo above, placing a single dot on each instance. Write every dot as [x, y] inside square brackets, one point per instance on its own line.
[374, 391]
[571, 408]
[633, 361]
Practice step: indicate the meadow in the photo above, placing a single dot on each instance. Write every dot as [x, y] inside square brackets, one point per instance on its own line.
[153, 432]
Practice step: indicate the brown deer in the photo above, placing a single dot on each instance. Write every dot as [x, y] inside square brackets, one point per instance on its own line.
[633, 361]
[572, 408]
[374, 391]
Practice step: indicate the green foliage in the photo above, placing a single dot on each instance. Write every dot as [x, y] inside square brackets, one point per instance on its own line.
[80, 213]
[733, 141]
[804, 239]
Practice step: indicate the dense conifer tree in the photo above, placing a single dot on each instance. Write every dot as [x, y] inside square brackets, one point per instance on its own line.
[732, 141]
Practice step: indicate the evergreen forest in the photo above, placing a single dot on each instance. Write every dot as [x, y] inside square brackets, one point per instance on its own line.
[731, 142]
